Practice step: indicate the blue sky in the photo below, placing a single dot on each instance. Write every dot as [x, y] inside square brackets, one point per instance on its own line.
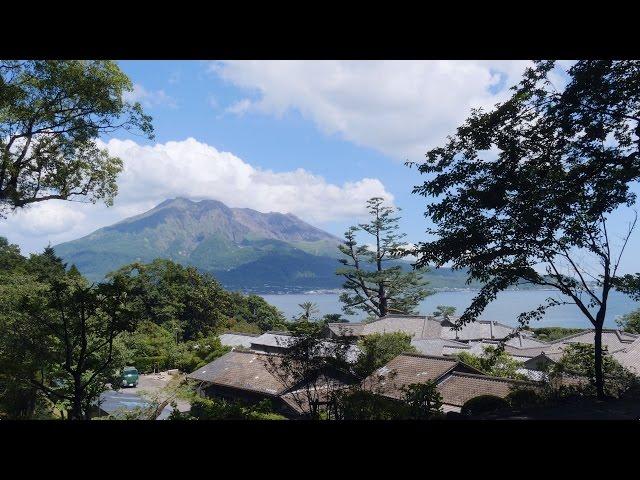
[312, 138]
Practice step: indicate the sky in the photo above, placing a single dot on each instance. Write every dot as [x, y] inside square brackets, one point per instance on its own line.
[312, 138]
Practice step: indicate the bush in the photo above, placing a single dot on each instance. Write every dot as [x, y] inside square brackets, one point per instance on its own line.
[524, 398]
[483, 404]
[379, 349]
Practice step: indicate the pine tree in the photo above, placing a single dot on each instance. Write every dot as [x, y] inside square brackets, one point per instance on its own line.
[374, 278]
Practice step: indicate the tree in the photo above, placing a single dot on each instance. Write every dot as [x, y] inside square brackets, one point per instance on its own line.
[523, 193]
[423, 400]
[579, 359]
[311, 368]
[61, 338]
[373, 287]
[444, 311]
[187, 302]
[52, 114]
[493, 361]
[630, 322]
[378, 349]
[334, 318]
[309, 310]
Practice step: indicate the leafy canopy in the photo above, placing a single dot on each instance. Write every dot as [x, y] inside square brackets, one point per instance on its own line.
[524, 193]
[376, 283]
[51, 115]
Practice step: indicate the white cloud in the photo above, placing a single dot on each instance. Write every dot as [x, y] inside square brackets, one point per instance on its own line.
[240, 107]
[48, 218]
[197, 170]
[400, 108]
[194, 170]
[149, 98]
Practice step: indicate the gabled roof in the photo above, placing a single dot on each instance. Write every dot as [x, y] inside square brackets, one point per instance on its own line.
[271, 339]
[614, 340]
[353, 329]
[241, 370]
[458, 387]
[438, 346]
[237, 339]
[629, 357]
[480, 329]
[409, 368]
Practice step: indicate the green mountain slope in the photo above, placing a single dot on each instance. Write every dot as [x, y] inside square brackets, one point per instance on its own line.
[212, 237]
[243, 248]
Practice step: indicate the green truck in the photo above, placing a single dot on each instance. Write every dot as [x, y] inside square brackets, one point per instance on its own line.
[130, 377]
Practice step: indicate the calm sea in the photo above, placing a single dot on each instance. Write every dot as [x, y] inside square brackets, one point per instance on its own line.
[504, 309]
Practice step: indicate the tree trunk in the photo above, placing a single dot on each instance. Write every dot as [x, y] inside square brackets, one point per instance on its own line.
[599, 374]
[76, 407]
[382, 299]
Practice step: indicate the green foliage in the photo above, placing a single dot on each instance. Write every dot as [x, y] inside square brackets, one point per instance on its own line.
[423, 400]
[378, 349]
[550, 334]
[217, 409]
[59, 336]
[188, 303]
[52, 113]
[493, 361]
[579, 359]
[444, 311]
[309, 310]
[334, 318]
[484, 404]
[311, 368]
[154, 348]
[523, 193]
[525, 398]
[373, 286]
[630, 322]
[359, 404]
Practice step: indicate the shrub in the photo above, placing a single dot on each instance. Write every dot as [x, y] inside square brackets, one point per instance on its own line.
[483, 404]
[524, 398]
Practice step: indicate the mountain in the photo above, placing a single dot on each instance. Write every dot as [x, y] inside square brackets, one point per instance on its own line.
[231, 243]
[244, 249]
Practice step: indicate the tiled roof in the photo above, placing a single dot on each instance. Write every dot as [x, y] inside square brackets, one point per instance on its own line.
[407, 369]
[271, 340]
[457, 388]
[629, 357]
[242, 370]
[438, 346]
[353, 329]
[416, 326]
[480, 329]
[235, 340]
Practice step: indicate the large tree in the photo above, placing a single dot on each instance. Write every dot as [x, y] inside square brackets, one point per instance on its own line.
[59, 336]
[51, 114]
[375, 280]
[525, 192]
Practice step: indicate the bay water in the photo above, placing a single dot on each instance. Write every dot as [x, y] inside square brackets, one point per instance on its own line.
[505, 308]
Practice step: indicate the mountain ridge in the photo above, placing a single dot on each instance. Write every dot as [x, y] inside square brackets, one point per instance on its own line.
[207, 234]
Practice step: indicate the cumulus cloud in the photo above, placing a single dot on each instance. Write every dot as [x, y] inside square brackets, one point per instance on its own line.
[240, 107]
[400, 108]
[149, 98]
[197, 170]
[192, 169]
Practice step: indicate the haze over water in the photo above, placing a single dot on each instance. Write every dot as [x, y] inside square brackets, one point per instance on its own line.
[504, 309]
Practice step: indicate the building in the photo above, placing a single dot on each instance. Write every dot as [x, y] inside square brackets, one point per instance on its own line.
[425, 327]
[248, 377]
[622, 346]
[456, 381]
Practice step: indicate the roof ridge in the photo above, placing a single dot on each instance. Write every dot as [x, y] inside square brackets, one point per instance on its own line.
[491, 377]
[242, 334]
[422, 355]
